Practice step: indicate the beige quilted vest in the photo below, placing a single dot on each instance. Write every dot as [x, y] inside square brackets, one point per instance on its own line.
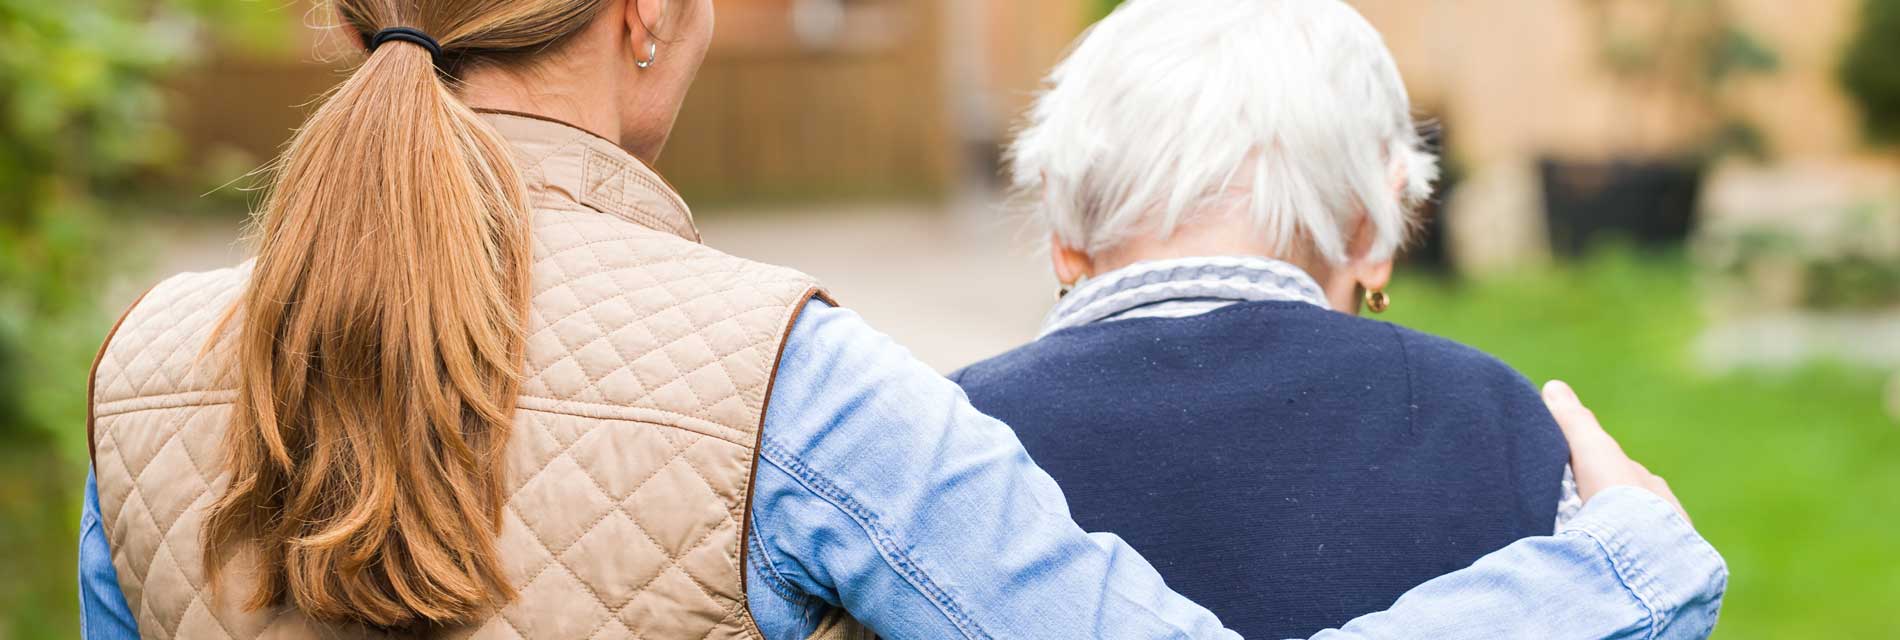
[649, 359]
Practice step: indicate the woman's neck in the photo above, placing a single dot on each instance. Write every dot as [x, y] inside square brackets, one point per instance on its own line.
[1205, 238]
[1229, 236]
[575, 99]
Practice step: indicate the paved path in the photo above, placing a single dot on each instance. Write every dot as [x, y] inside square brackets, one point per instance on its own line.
[953, 287]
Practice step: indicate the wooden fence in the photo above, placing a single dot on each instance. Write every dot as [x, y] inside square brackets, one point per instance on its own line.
[773, 115]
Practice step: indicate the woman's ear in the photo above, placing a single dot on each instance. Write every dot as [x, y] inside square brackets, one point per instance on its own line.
[1071, 265]
[645, 20]
[1372, 274]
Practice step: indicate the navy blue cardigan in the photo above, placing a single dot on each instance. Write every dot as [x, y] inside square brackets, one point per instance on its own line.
[1284, 465]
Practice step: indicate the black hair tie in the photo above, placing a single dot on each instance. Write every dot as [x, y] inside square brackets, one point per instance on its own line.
[411, 36]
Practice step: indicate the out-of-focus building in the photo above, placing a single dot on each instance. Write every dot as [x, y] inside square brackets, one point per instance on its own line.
[1519, 80]
[798, 99]
[815, 99]
[1524, 77]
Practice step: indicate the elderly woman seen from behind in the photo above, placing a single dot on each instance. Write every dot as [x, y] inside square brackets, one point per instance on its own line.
[1226, 183]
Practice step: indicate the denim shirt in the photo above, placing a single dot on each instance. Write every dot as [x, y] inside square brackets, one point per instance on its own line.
[881, 491]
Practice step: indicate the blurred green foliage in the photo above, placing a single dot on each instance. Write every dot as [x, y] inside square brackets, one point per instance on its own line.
[1790, 474]
[1871, 69]
[82, 119]
[1853, 265]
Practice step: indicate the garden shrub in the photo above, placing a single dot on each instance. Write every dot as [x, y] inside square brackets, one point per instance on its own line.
[81, 118]
[1871, 69]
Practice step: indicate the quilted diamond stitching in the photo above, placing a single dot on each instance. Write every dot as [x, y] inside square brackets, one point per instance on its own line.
[570, 349]
[671, 560]
[198, 287]
[638, 561]
[164, 535]
[144, 573]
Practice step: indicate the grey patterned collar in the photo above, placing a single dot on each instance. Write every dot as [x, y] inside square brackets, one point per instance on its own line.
[1182, 287]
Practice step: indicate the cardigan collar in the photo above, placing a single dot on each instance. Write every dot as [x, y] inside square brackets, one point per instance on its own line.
[1183, 287]
[562, 162]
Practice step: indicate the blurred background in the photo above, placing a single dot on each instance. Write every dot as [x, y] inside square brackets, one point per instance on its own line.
[1688, 208]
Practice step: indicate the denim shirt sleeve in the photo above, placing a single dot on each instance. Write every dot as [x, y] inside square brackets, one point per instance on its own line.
[880, 490]
[1628, 566]
[103, 612]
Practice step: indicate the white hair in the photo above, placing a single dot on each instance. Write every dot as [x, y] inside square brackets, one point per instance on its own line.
[1170, 108]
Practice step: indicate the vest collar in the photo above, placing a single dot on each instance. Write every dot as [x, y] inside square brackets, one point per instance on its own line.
[571, 163]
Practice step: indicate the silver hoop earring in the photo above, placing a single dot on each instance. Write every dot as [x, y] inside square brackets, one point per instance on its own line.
[653, 53]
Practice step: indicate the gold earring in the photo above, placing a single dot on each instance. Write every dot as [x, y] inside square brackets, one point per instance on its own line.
[1377, 300]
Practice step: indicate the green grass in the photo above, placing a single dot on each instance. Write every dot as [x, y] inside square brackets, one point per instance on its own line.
[1794, 476]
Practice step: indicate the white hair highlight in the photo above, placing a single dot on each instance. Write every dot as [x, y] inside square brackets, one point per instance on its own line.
[1167, 109]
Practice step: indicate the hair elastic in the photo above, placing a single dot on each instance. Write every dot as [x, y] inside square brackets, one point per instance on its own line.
[412, 36]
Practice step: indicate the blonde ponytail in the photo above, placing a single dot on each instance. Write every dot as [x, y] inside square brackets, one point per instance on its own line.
[380, 342]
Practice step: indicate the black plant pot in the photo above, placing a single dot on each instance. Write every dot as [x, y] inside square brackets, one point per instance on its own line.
[1651, 203]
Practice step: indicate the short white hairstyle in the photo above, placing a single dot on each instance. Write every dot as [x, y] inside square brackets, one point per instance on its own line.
[1169, 108]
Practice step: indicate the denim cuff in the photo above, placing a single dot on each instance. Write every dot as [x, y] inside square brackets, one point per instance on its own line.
[1668, 567]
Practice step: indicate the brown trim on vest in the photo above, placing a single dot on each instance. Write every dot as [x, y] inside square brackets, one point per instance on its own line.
[752, 474]
[92, 377]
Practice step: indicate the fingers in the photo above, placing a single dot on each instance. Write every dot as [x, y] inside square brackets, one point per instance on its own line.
[1587, 438]
[1598, 461]
[1567, 407]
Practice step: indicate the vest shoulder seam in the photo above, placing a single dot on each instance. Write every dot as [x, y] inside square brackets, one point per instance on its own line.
[536, 404]
[642, 415]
